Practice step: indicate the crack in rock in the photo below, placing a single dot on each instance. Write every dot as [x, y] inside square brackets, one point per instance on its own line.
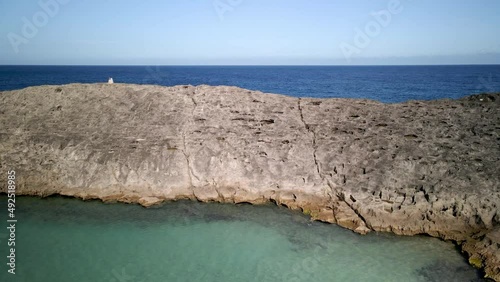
[318, 170]
[313, 137]
[191, 173]
[341, 197]
[188, 162]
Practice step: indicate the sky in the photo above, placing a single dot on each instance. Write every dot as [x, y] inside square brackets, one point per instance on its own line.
[249, 32]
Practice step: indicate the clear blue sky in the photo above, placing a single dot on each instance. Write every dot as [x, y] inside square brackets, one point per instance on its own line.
[179, 32]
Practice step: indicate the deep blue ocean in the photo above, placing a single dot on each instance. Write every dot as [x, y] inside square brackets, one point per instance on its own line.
[383, 83]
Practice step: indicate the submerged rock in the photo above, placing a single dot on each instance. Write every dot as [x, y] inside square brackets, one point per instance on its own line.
[420, 167]
[436, 273]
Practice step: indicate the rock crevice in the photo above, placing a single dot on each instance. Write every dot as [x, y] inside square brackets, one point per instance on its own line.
[311, 132]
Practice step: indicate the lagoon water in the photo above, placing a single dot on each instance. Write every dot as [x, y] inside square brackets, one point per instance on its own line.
[62, 239]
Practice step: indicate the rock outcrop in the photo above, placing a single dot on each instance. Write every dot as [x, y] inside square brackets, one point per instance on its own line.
[420, 167]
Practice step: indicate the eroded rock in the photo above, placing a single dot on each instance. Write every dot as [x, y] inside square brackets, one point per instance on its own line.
[420, 167]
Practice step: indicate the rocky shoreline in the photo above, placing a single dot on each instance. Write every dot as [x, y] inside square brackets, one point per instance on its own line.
[420, 167]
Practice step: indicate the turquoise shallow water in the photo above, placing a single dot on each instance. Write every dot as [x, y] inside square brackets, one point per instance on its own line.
[60, 239]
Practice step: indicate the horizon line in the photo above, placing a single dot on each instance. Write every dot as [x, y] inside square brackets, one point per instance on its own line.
[238, 65]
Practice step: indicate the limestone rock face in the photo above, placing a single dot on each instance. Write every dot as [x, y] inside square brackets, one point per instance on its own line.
[412, 168]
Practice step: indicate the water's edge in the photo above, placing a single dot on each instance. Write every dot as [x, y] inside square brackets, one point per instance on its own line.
[299, 211]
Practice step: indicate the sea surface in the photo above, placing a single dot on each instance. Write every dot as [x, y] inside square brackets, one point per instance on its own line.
[383, 83]
[64, 239]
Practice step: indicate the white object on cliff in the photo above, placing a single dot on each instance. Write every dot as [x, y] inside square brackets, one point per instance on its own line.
[110, 80]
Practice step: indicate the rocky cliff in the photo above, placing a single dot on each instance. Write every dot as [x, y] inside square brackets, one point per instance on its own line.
[420, 167]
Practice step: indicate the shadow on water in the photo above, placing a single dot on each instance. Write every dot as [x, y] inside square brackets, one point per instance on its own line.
[434, 273]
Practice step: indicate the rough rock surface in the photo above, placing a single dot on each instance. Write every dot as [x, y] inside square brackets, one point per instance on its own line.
[420, 167]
